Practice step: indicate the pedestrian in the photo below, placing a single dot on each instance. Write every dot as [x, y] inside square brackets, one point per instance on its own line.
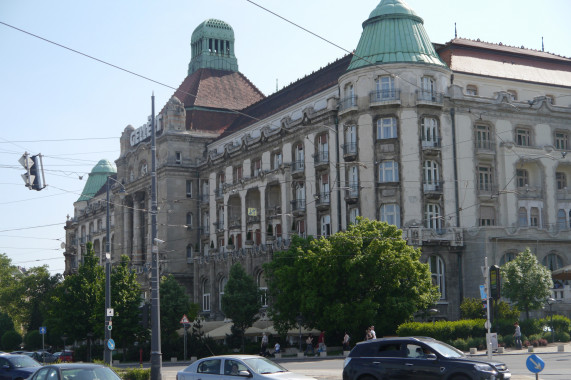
[373, 333]
[368, 334]
[517, 336]
[309, 345]
[346, 345]
[277, 348]
[321, 342]
[264, 343]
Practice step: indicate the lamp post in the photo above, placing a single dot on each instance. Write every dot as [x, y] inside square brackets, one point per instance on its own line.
[299, 321]
[550, 302]
[432, 313]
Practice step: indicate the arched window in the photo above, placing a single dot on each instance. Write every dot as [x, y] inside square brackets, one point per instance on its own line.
[430, 134]
[390, 213]
[206, 295]
[189, 219]
[263, 287]
[189, 253]
[552, 261]
[221, 286]
[507, 257]
[438, 275]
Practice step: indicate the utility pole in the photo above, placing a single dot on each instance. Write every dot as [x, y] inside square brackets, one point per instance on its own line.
[156, 355]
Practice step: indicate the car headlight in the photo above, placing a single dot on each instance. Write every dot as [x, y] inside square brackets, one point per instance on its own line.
[483, 367]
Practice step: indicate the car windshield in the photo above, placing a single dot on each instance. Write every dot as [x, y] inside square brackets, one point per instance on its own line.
[446, 350]
[24, 362]
[263, 365]
[98, 373]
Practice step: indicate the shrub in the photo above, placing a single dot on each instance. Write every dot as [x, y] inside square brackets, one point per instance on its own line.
[531, 326]
[134, 373]
[461, 344]
[562, 336]
[560, 323]
[11, 340]
[505, 311]
[471, 308]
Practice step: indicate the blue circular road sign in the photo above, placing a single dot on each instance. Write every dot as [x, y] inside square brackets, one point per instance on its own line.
[111, 344]
[535, 364]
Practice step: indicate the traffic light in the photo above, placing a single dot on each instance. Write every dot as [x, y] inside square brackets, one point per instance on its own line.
[34, 175]
[495, 291]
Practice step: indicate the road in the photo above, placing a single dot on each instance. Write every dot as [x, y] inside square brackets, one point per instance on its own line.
[557, 366]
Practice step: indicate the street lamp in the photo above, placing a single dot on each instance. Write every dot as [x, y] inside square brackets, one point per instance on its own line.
[107, 354]
[432, 313]
[550, 302]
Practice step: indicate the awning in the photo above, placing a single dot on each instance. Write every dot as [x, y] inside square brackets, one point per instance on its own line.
[226, 329]
[562, 273]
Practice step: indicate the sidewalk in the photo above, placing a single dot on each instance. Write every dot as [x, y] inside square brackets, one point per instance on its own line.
[551, 348]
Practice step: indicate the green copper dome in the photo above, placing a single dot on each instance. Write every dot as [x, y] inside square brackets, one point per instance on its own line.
[212, 45]
[97, 179]
[393, 34]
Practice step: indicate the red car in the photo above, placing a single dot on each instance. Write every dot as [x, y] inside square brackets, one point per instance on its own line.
[66, 356]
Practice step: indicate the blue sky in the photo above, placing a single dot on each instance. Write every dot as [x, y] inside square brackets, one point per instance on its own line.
[73, 109]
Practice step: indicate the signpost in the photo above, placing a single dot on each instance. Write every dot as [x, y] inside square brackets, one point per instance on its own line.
[111, 344]
[43, 331]
[535, 365]
[186, 324]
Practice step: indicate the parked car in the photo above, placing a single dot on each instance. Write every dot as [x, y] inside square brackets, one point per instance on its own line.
[416, 358]
[66, 356]
[17, 366]
[72, 371]
[229, 367]
[44, 357]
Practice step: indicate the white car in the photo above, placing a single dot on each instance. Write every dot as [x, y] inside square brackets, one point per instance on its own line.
[232, 367]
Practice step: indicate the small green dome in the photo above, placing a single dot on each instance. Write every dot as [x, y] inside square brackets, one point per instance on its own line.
[97, 179]
[212, 45]
[394, 33]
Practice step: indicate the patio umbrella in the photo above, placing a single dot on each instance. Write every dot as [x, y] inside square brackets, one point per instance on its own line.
[562, 273]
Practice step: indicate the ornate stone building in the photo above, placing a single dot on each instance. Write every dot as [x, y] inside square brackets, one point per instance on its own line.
[462, 145]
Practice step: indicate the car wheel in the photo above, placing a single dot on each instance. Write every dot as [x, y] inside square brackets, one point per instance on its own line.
[460, 377]
[367, 378]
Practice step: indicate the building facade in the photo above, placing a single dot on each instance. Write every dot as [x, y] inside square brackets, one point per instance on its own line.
[462, 145]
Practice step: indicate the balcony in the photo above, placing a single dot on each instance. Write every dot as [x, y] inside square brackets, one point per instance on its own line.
[219, 192]
[297, 168]
[234, 223]
[418, 236]
[348, 104]
[563, 195]
[530, 192]
[323, 200]
[384, 97]
[253, 219]
[321, 158]
[428, 98]
[432, 146]
[350, 151]
[487, 190]
[204, 198]
[298, 207]
[352, 193]
[433, 189]
[219, 226]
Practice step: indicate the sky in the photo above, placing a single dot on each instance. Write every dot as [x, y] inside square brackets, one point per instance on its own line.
[72, 109]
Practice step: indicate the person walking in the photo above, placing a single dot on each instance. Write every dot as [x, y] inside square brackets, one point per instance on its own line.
[264, 343]
[373, 333]
[321, 342]
[309, 345]
[517, 336]
[346, 345]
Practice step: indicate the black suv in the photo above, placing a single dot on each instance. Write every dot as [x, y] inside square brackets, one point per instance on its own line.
[416, 358]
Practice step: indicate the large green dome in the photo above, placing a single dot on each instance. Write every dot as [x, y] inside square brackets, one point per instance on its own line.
[394, 33]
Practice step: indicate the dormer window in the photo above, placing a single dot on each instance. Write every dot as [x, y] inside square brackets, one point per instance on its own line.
[471, 90]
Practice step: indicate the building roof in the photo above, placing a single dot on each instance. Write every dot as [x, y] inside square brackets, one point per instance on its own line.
[507, 62]
[304, 88]
[212, 45]
[97, 178]
[393, 33]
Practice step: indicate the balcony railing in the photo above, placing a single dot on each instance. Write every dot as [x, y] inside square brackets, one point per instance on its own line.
[348, 103]
[321, 158]
[428, 97]
[350, 149]
[353, 190]
[219, 192]
[298, 166]
[432, 187]
[298, 205]
[433, 143]
[384, 96]
[484, 145]
[219, 226]
[323, 199]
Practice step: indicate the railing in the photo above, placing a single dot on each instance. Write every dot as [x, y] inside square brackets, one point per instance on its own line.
[323, 199]
[204, 198]
[384, 96]
[428, 96]
[219, 226]
[484, 145]
[434, 143]
[432, 187]
[350, 148]
[297, 166]
[219, 192]
[347, 103]
[353, 191]
[321, 158]
[528, 192]
[417, 236]
[298, 205]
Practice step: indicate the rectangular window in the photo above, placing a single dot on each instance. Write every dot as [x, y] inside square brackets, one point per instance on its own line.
[432, 217]
[385, 87]
[487, 216]
[484, 178]
[389, 171]
[522, 178]
[522, 217]
[188, 188]
[325, 225]
[390, 213]
[523, 137]
[483, 137]
[178, 158]
[534, 217]
[387, 128]
[237, 173]
[561, 179]
[561, 141]
[277, 160]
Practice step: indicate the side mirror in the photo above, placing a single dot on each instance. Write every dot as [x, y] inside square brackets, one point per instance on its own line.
[245, 374]
[431, 356]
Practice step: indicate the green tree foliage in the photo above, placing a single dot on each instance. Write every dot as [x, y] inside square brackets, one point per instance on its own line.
[472, 308]
[505, 311]
[526, 282]
[33, 340]
[125, 301]
[77, 305]
[363, 276]
[241, 299]
[174, 304]
[11, 340]
[10, 296]
[6, 324]
[37, 286]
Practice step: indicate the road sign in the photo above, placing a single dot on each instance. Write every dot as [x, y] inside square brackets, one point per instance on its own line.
[111, 344]
[43, 330]
[483, 294]
[535, 364]
[184, 320]
[110, 312]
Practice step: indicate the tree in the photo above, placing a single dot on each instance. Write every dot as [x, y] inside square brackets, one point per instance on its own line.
[78, 303]
[11, 340]
[526, 282]
[241, 300]
[174, 304]
[363, 276]
[10, 295]
[472, 308]
[125, 301]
